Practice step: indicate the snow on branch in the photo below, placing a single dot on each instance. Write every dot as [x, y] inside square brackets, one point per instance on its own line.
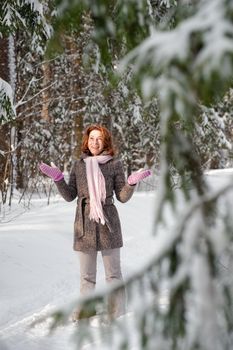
[22, 101]
[7, 108]
[36, 6]
[18, 15]
[203, 300]
[198, 46]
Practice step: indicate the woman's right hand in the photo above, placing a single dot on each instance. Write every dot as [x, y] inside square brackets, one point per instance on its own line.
[52, 171]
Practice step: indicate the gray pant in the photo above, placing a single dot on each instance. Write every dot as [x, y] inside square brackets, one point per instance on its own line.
[112, 266]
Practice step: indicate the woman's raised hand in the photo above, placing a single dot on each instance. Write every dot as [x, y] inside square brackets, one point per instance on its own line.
[51, 171]
[137, 176]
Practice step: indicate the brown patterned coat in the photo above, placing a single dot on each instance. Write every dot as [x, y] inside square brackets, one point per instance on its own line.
[89, 235]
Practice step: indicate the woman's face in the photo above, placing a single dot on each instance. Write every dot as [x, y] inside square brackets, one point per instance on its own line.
[95, 142]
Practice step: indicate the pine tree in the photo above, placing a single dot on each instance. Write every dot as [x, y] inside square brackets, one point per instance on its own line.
[56, 98]
[180, 67]
[16, 17]
[20, 15]
[212, 137]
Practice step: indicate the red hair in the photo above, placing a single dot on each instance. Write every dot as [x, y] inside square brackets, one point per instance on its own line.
[107, 139]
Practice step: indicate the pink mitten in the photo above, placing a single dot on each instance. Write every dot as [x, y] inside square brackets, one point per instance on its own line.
[138, 176]
[51, 171]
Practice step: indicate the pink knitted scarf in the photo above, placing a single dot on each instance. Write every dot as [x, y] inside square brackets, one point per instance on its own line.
[96, 186]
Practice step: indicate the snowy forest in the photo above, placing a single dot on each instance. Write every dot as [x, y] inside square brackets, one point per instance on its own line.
[158, 74]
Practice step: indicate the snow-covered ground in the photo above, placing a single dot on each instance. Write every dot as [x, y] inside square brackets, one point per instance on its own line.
[39, 270]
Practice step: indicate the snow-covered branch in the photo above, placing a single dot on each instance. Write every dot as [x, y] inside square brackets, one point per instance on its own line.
[189, 47]
[22, 102]
[7, 108]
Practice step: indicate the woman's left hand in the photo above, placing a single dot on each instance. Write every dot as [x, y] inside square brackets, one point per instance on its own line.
[137, 176]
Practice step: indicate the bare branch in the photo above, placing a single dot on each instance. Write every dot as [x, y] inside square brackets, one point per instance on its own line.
[20, 103]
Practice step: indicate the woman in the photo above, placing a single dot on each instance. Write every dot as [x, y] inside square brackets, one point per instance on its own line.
[93, 179]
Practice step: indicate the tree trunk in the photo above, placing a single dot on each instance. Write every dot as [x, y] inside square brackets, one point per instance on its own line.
[76, 91]
[46, 94]
[5, 162]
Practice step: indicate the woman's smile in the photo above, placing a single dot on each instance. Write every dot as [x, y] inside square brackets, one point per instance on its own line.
[95, 142]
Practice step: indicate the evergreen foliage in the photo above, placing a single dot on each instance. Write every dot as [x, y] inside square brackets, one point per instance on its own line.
[20, 16]
[26, 15]
[7, 109]
[185, 67]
